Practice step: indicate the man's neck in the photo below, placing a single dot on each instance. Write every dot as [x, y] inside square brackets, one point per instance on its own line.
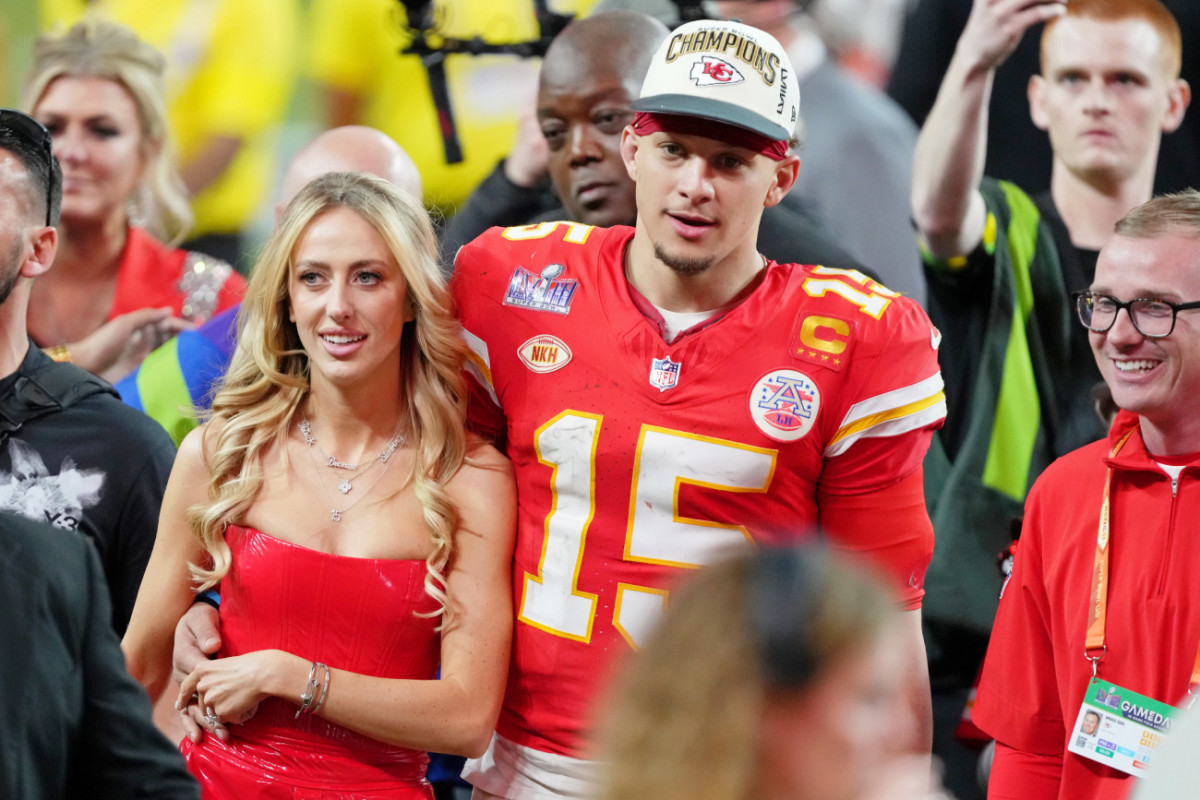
[667, 288]
[1173, 439]
[14, 340]
[1091, 209]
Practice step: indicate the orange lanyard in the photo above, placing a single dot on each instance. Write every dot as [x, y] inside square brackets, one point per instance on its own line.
[1098, 607]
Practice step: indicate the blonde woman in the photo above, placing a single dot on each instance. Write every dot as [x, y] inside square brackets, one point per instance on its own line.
[118, 287]
[361, 538]
[774, 675]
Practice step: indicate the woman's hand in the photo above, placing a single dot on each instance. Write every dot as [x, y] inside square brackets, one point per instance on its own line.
[117, 347]
[195, 725]
[231, 688]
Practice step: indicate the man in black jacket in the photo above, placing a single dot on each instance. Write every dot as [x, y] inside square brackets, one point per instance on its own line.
[71, 453]
[77, 724]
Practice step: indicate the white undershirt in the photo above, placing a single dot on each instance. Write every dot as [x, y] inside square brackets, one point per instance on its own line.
[676, 322]
[1171, 469]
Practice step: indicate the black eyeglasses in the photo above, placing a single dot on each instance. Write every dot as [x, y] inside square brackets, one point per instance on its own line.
[1153, 319]
[34, 133]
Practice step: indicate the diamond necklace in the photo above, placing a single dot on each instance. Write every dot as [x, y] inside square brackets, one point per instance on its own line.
[359, 469]
[344, 487]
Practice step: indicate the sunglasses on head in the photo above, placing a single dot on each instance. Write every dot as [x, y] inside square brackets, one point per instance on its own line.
[34, 133]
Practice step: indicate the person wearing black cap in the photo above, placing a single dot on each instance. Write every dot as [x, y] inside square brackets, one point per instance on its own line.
[665, 390]
[71, 453]
[78, 725]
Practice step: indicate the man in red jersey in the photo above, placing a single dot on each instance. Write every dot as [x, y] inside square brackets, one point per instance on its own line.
[665, 392]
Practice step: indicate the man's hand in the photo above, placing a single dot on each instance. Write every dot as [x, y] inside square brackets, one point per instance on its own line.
[197, 639]
[995, 28]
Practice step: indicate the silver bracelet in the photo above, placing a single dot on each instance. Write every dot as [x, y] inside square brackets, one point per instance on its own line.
[310, 690]
[324, 691]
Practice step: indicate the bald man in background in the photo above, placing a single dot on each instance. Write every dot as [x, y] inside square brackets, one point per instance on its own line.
[184, 373]
[590, 76]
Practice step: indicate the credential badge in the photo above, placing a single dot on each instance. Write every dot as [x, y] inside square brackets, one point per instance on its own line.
[784, 404]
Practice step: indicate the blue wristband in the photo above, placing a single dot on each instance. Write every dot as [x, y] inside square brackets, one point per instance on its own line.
[210, 597]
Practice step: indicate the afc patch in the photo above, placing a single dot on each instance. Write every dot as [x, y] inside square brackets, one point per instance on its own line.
[664, 373]
[784, 404]
[544, 291]
[544, 353]
[824, 340]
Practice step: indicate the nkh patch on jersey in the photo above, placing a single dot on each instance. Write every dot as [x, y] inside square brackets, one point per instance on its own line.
[544, 353]
[784, 404]
[664, 373]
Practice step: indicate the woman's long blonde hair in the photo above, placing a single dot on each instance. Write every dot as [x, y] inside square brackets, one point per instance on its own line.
[97, 48]
[683, 721]
[268, 377]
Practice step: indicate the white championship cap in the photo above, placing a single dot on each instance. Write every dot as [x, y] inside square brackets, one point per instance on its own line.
[724, 71]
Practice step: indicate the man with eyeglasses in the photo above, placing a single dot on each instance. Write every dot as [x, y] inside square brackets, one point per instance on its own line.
[1102, 612]
[1000, 265]
[71, 453]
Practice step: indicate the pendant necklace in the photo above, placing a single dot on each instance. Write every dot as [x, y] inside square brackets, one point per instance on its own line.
[345, 485]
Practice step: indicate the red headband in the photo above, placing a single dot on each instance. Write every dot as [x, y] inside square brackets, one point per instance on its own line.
[646, 122]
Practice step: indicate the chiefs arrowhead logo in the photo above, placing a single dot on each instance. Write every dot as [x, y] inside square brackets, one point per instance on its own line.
[713, 71]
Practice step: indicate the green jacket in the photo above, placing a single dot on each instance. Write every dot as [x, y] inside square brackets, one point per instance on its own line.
[1019, 376]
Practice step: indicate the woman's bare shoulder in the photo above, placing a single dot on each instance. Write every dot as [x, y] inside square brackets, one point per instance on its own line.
[485, 473]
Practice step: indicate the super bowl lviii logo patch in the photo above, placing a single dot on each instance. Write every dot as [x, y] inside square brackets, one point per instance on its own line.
[544, 353]
[544, 291]
[664, 373]
[784, 404]
[713, 71]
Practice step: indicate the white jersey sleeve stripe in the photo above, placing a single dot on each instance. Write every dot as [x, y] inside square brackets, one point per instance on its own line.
[479, 363]
[891, 414]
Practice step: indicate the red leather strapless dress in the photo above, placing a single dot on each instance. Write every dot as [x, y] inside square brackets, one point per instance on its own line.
[354, 614]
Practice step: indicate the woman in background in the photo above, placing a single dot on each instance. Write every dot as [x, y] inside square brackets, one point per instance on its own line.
[361, 538]
[774, 675]
[118, 287]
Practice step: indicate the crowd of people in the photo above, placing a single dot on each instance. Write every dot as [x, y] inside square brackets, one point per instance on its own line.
[665, 416]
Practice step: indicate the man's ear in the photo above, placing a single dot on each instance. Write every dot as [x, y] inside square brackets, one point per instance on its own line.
[1179, 95]
[786, 172]
[629, 146]
[1036, 92]
[45, 246]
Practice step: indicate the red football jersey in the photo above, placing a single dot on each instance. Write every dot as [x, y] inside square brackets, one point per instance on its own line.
[636, 459]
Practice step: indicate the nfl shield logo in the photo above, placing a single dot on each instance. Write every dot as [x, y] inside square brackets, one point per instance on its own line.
[664, 373]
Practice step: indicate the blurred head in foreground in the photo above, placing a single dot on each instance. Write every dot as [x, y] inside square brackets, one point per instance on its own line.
[775, 674]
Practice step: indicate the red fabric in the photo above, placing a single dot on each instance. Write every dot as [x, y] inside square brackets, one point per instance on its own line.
[1017, 775]
[645, 123]
[1035, 673]
[623, 486]
[350, 613]
[854, 523]
[149, 278]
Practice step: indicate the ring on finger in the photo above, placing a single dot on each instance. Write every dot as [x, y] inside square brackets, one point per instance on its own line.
[210, 717]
